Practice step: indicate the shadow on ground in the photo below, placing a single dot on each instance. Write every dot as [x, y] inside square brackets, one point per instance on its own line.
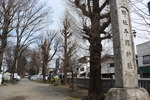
[17, 98]
[78, 93]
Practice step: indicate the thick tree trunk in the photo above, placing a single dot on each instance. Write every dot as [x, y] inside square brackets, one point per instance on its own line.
[95, 88]
[45, 58]
[14, 70]
[44, 74]
[65, 76]
[3, 40]
[45, 69]
[3, 37]
[15, 62]
[1, 59]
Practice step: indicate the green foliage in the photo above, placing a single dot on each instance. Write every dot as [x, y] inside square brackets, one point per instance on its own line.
[52, 80]
[55, 84]
[55, 79]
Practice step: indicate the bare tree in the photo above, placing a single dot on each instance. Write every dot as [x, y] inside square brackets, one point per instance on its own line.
[140, 17]
[73, 68]
[23, 16]
[50, 44]
[9, 59]
[23, 62]
[29, 19]
[35, 62]
[95, 31]
[8, 56]
[68, 48]
[8, 9]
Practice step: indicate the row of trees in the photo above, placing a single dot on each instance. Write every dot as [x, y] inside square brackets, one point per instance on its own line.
[20, 20]
[19, 57]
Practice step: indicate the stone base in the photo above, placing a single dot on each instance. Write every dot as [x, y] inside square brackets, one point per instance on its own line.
[127, 94]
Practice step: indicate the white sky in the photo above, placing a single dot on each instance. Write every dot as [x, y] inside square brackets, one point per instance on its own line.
[142, 36]
[143, 31]
[58, 8]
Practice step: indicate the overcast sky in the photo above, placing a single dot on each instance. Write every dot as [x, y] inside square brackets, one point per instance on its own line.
[141, 36]
[139, 11]
[58, 8]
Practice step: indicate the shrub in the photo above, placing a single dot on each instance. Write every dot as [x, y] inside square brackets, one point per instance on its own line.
[52, 80]
[55, 79]
[55, 84]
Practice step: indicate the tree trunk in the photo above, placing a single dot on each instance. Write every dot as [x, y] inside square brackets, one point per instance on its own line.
[65, 76]
[66, 60]
[44, 74]
[3, 37]
[72, 81]
[14, 70]
[45, 58]
[1, 58]
[95, 88]
[45, 64]
[15, 62]
[45, 69]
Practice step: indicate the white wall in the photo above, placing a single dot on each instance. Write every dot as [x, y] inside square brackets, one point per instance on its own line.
[143, 49]
[106, 66]
[85, 66]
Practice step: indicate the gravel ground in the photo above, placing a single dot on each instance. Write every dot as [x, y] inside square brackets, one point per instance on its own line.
[29, 90]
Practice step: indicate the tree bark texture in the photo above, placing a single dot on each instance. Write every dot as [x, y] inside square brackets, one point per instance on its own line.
[1, 58]
[65, 60]
[95, 87]
[3, 39]
[94, 10]
[72, 80]
[45, 50]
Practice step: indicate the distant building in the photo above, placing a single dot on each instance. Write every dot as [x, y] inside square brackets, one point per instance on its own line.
[143, 56]
[107, 70]
[84, 66]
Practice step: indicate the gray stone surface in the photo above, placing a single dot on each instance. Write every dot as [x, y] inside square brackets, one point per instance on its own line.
[124, 58]
[126, 81]
[127, 94]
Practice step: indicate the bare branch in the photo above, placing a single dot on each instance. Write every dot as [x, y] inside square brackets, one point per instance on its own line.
[105, 25]
[82, 7]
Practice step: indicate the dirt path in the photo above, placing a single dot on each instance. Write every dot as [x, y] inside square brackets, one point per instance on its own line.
[29, 90]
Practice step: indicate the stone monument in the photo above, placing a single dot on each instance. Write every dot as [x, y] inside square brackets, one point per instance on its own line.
[126, 81]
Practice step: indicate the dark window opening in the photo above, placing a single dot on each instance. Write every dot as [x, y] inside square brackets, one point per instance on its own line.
[81, 69]
[146, 59]
[111, 64]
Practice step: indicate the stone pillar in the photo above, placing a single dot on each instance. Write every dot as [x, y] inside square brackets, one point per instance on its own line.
[126, 81]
